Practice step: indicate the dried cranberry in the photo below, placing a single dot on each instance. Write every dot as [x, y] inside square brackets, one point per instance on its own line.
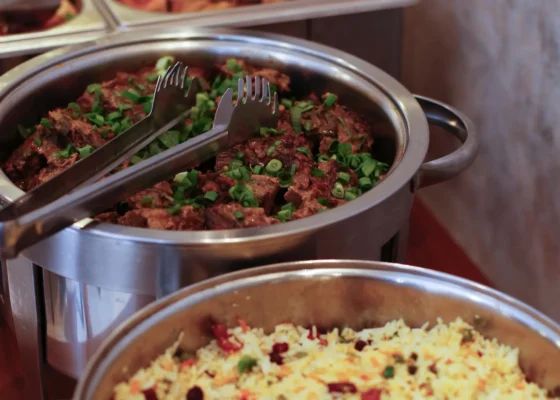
[342, 387]
[150, 394]
[412, 369]
[195, 393]
[372, 394]
[276, 358]
[414, 356]
[360, 344]
[280, 347]
[222, 337]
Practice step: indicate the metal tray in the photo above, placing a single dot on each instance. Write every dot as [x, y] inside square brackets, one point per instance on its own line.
[89, 24]
[246, 16]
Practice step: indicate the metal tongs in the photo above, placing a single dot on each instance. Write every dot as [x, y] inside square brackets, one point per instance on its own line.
[233, 124]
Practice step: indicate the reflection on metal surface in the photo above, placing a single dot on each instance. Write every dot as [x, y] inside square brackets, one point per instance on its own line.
[78, 317]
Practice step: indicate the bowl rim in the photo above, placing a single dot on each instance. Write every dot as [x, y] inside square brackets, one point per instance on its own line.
[410, 113]
[147, 317]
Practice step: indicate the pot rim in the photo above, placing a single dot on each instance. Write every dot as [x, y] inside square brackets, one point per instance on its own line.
[150, 315]
[410, 114]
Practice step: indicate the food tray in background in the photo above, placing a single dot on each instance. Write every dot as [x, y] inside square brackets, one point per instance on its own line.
[250, 15]
[87, 25]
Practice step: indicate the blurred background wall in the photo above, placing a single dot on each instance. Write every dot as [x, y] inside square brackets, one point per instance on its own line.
[499, 62]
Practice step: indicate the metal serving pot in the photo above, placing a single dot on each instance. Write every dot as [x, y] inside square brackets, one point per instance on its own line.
[327, 293]
[94, 275]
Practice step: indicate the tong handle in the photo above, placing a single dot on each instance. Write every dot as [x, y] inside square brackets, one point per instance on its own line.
[21, 233]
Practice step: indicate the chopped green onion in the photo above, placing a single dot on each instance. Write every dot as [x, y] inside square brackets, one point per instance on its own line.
[170, 139]
[75, 107]
[212, 196]
[368, 167]
[264, 131]
[287, 103]
[307, 126]
[66, 153]
[338, 190]
[350, 196]
[285, 179]
[140, 87]
[164, 62]
[353, 162]
[146, 201]
[257, 169]
[174, 209]
[130, 80]
[135, 159]
[330, 100]
[114, 116]
[94, 88]
[37, 140]
[316, 172]
[123, 107]
[284, 215]
[273, 148]
[236, 174]
[333, 147]
[153, 77]
[239, 215]
[344, 148]
[322, 158]
[365, 183]
[273, 166]
[344, 177]
[147, 107]
[85, 151]
[304, 150]
[233, 65]
[239, 155]
[46, 123]
[295, 117]
[244, 195]
[389, 372]
[234, 164]
[322, 201]
[132, 95]
[293, 168]
[154, 149]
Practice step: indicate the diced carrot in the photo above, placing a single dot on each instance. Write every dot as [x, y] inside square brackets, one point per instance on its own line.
[135, 387]
[243, 325]
[188, 363]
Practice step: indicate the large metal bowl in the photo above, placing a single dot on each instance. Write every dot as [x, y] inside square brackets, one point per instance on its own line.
[327, 294]
[96, 275]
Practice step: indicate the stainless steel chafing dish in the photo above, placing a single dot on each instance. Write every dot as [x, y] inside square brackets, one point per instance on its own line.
[327, 293]
[251, 15]
[87, 25]
[90, 277]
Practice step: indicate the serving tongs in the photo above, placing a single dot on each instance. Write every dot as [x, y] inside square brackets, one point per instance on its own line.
[233, 124]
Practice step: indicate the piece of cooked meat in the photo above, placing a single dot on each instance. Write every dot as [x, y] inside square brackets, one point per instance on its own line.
[233, 216]
[188, 219]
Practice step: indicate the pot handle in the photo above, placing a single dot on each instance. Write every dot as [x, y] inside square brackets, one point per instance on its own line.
[456, 123]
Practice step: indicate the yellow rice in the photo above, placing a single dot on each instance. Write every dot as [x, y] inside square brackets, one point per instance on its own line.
[396, 362]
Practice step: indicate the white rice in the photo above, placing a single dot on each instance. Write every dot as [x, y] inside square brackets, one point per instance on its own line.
[396, 362]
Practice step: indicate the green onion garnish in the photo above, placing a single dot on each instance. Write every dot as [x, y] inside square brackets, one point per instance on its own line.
[316, 172]
[344, 148]
[66, 153]
[365, 183]
[164, 62]
[24, 132]
[147, 107]
[287, 103]
[170, 139]
[322, 158]
[46, 123]
[285, 179]
[153, 77]
[273, 166]
[330, 100]
[85, 151]
[94, 88]
[257, 169]
[132, 95]
[338, 190]
[75, 107]
[284, 215]
[322, 201]
[239, 155]
[273, 148]
[236, 163]
[174, 209]
[212, 196]
[304, 150]
[114, 116]
[135, 159]
[295, 117]
[349, 196]
[368, 167]
[344, 177]
[233, 65]
[239, 215]
[307, 126]
[37, 140]
[146, 201]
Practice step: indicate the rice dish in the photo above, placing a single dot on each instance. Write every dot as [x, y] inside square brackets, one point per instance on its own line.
[447, 361]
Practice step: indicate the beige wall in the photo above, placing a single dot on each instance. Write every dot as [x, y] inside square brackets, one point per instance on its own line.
[499, 62]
